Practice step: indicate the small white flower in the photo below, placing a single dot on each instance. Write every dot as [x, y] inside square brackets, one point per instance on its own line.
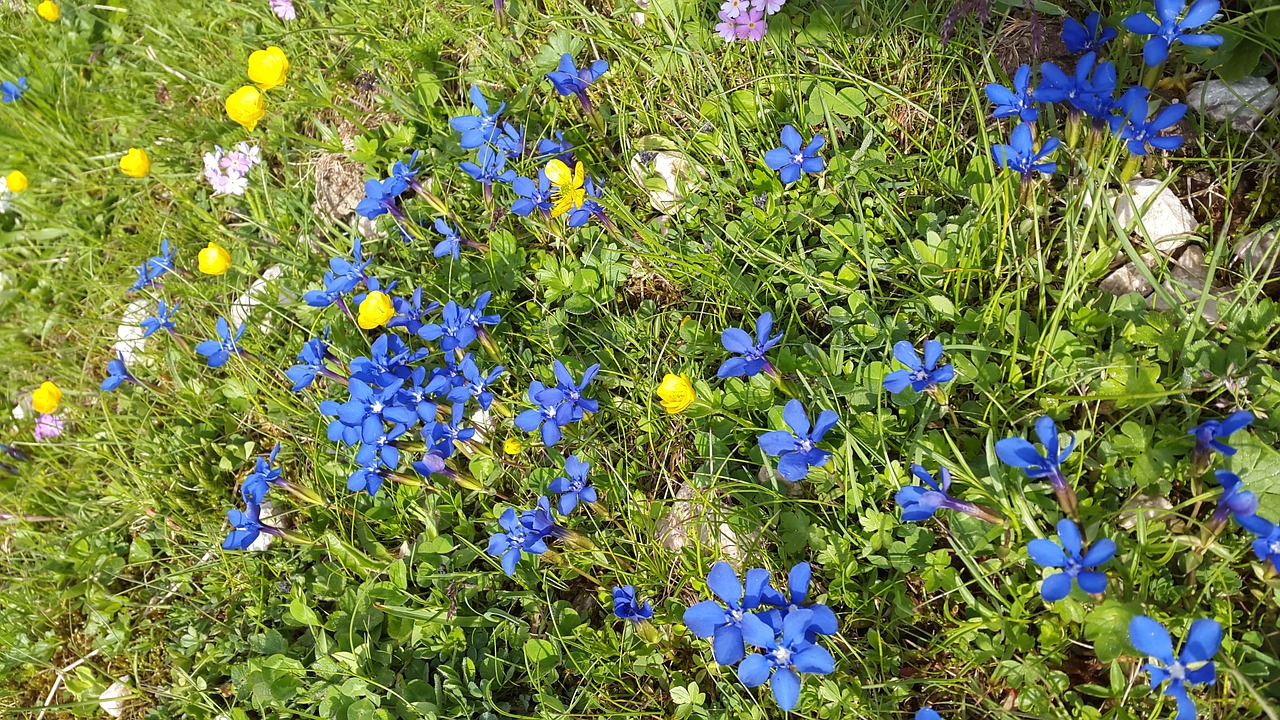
[734, 8]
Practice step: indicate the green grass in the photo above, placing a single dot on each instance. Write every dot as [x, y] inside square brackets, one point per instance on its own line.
[393, 609]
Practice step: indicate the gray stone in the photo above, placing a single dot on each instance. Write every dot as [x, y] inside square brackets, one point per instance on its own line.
[1185, 284]
[1152, 507]
[697, 515]
[1256, 253]
[673, 172]
[1164, 220]
[1127, 279]
[1244, 103]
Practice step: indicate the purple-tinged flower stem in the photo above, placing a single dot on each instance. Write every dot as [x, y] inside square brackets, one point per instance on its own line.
[342, 303]
[181, 341]
[341, 379]
[1066, 495]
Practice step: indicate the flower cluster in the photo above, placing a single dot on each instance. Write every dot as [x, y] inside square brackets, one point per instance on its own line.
[268, 69]
[228, 171]
[783, 627]
[745, 19]
[529, 530]
[1092, 89]
[559, 405]
[284, 9]
[247, 525]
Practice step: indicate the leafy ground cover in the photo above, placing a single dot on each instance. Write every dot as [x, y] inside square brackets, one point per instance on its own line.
[381, 591]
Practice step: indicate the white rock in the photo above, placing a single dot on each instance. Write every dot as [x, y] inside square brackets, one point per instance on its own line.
[637, 18]
[244, 305]
[677, 173]
[1125, 280]
[110, 701]
[129, 340]
[698, 516]
[1164, 221]
[1243, 103]
[1257, 252]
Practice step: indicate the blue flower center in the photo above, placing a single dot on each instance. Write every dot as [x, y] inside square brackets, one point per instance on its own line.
[920, 375]
[780, 657]
[1275, 548]
[1177, 672]
[577, 486]
[734, 616]
[376, 407]
[804, 445]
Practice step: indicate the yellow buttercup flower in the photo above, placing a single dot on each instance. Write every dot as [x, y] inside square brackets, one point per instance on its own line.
[268, 68]
[135, 163]
[512, 446]
[45, 399]
[375, 310]
[246, 106]
[569, 194]
[16, 181]
[214, 259]
[49, 10]
[676, 393]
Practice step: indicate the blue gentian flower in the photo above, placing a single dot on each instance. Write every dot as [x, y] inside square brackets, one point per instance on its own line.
[1089, 89]
[1075, 568]
[797, 449]
[477, 129]
[1267, 545]
[409, 313]
[626, 606]
[541, 520]
[489, 166]
[146, 277]
[572, 404]
[1234, 500]
[919, 376]
[921, 502]
[246, 527]
[791, 160]
[1018, 452]
[724, 623]
[381, 447]
[1194, 666]
[418, 397]
[1021, 156]
[1089, 37]
[331, 292]
[1017, 102]
[1140, 132]
[784, 657]
[163, 319]
[445, 434]
[927, 714]
[823, 620]
[117, 374]
[1131, 103]
[337, 430]
[380, 198]
[311, 362]
[264, 477]
[367, 408]
[573, 488]
[11, 91]
[751, 360]
[389, 360]
[532, 196]
[368, 477]
[478, 318]
[455, 329]
[516, 540]
[557, 148]
[475, 385]
[451, 244]
[569, 80]
[512, 141]
[162, 263]
[1168, 30]
[407, 173]
[220, 350]
[1210, 432]
[547, 401]
[347, 274]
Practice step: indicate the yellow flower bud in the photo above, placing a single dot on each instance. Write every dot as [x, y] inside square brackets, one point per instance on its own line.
[512, 446]
[17, 181]
[45, 399]
[246, 106]
[48, 10]
[268, 67]
[676, 393]
[214, 260]
[375, 310]
[135, 163]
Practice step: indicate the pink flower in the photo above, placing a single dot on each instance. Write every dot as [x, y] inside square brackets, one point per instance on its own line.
[726, 28]
[751, 26]
[47, 426]
[733, 8]
[768, 6]
[236, 163]
[284, 9]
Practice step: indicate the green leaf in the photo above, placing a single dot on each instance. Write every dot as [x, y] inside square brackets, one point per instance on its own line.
[541, 655]
[299, 611]
[1107, 627]
[1258, 466]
